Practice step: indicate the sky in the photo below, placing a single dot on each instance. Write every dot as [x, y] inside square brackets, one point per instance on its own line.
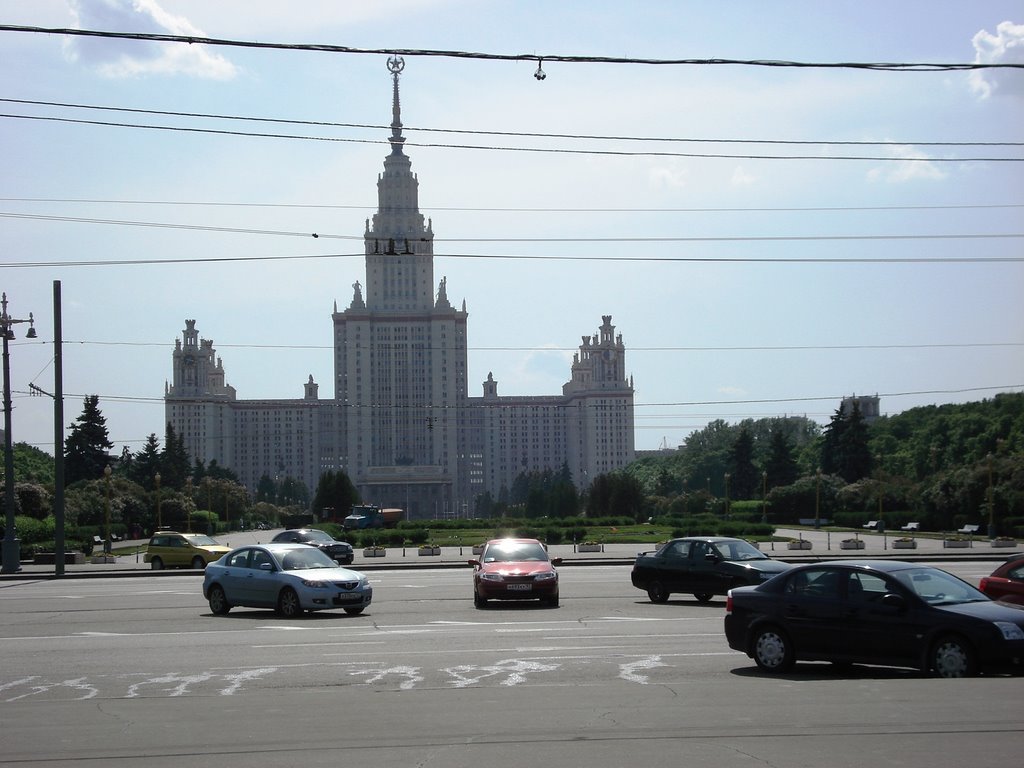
[752, 268]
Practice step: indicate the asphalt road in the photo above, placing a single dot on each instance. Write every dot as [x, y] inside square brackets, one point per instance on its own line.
[137, 671]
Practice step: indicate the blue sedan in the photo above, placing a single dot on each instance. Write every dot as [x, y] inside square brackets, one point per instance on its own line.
[291, 578]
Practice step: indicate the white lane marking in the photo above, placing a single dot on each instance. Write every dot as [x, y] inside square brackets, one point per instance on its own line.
[631, 670]
[514, 669]
[411, 675]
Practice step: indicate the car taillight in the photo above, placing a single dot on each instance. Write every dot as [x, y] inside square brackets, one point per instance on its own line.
[728, 602]
[983, 585]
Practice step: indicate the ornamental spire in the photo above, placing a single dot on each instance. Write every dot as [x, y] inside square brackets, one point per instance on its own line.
[395, 65]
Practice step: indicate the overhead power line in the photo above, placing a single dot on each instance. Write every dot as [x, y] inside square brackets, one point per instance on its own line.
[541, 150]
[632, 239]
[549, 57]
[546, 209]
[515, 134]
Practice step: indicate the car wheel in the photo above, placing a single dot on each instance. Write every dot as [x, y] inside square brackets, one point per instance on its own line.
[772, 650]
[656, 592]
[479, 602]
[288, 603]
[354, 611]
[218, 601]
[198, 563]
[951, 656]
[704, 597]
[157, 564]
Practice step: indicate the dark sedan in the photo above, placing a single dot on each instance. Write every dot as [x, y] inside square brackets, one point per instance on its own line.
[1006, 583]
[339, 551]
[874, 612]
[703, 566]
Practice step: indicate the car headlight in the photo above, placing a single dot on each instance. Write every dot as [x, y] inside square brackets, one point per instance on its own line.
[315, 584]
[546, 576]
[1010, 630]
[491, 577]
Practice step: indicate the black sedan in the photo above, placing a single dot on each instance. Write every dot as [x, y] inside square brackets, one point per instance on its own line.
[874, 612]
[703, 566]
[339, 551]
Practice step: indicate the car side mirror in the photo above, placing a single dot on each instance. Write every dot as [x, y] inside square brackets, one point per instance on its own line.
[892, 600]
[712, 556]
[474, 563]
[556, 561]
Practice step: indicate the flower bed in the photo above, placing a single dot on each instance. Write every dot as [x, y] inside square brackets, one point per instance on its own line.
[851, 544]
[374, 552]
[1002, 541]
[97, 559]
[904, 544]
[799, 544]
[588, 546]
[478, 549]
[428, 550]
[956, 543]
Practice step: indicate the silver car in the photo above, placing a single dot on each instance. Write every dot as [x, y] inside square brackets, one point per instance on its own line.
[290, 578]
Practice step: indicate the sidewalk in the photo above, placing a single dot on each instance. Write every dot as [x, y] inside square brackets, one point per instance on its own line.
[824, 545]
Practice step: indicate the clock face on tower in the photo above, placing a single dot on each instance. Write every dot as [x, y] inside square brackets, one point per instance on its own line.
[190, 360]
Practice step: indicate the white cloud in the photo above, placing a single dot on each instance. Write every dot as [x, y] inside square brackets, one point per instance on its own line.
[741, 177]
[915, 167]
[1006, 46]
[132, 58]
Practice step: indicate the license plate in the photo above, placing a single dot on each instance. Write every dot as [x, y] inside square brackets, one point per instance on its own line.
[520, 587]
[349, 597]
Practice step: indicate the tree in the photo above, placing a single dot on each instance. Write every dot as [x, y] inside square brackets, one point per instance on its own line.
[147, 463]
[780, 465]
[335, 491]
[86, 450]
[745, 477]
[855, 452]
[174, 461]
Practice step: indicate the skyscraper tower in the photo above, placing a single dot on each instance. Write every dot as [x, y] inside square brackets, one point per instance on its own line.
[400, 354]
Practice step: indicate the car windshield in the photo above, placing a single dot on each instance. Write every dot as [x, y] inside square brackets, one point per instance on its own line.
[305, 558]
[937, 587]
[316, 536]
[739, 550]
[202, 540]
[514, 552]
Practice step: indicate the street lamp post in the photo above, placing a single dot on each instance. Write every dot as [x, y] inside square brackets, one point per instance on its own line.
[817, 503]
[106, 512]
[159, 520]
[726, 495]
[11, 549]
[764, 497]
[991, 503]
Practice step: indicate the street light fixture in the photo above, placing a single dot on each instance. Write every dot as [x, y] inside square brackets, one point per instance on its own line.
[159, 521]
[11, 549]
[817, 503]
[106, 516]
[764, 497]
[726, 495]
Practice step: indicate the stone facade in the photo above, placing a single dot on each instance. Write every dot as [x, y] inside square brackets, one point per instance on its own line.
[401, 422]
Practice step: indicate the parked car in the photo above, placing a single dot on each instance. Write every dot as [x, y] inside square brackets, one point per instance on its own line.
[703, 566]
[515, 569]
[1006, 582]
[170, 549]
[873, 612]
[339, 551]
[289, 577]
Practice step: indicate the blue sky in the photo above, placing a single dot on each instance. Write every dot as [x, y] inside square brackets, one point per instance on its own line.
[703, 262]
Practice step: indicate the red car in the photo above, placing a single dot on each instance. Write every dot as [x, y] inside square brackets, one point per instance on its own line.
[1006, 582]
[515, 569]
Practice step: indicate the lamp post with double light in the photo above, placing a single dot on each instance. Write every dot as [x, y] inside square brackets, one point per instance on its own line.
[107, 547]
[11, 550]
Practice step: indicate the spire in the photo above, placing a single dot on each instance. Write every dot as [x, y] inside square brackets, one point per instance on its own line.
[396, 64]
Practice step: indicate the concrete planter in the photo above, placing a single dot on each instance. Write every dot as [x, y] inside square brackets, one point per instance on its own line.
[897, 544]
[798, 545]
[956, 543]
[478, 549]
[588, 547]
[100, 559]
[852, 544]
[428, 551]
[1004, 543]
[374, 552]
[50, 558]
